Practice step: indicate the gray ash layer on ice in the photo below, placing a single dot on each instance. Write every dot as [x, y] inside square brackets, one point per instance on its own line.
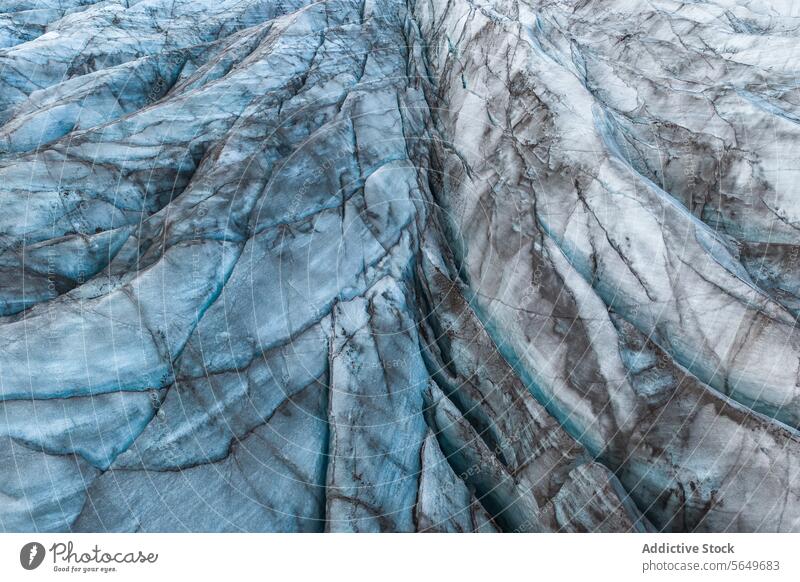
[381, 265]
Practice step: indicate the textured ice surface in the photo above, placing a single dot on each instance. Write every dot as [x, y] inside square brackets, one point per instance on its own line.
[380, 265]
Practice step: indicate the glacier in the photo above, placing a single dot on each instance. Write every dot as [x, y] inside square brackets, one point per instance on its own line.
[399, 266]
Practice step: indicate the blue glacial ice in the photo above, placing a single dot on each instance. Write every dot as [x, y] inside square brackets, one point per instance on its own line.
[357, 266]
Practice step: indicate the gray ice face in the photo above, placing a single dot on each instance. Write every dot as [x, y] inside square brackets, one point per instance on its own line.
[386, 266]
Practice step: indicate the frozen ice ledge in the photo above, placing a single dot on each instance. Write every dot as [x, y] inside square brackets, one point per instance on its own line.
[423, 265]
